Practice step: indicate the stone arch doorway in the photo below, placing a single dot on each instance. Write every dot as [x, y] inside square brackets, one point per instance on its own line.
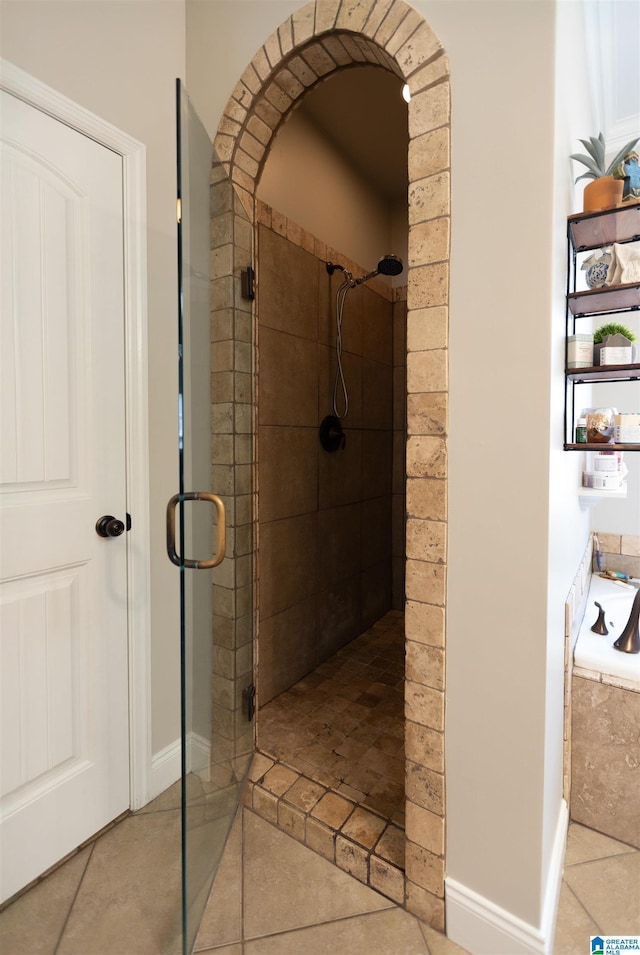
[318, 40]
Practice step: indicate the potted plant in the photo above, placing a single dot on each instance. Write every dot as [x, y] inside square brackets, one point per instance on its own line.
[605, 191]
[618, 340]
[629, 170]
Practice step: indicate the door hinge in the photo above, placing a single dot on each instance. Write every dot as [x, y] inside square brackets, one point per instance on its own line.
[179, 210]
[248, 283]
[249, 698]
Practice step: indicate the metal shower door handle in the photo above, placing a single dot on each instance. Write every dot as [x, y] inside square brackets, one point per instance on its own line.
[174, 557]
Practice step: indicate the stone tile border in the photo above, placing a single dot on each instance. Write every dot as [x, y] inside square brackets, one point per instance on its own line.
[573, 613]
[317, 40]
[356, 839]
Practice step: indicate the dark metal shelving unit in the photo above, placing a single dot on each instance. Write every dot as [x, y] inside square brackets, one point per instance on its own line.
[602, 447]
[605, 301]
[597, 373]
[587, 231]
[592, 230]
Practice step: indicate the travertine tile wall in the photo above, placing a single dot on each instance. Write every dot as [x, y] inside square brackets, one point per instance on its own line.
[317, 40]
[324, 519]
[232, 468]
[399, 498]
[621, 552]
[605, 754]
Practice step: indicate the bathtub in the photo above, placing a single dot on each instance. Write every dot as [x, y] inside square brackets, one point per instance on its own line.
[605, 714]
[594, 655]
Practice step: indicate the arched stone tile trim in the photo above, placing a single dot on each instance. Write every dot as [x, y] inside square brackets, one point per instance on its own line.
[316, 41]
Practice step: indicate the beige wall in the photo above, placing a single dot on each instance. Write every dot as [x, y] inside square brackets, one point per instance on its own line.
[120, 60]
[305, 178]
[499, 447]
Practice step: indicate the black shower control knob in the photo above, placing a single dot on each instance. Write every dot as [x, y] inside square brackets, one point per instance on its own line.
[109, 526]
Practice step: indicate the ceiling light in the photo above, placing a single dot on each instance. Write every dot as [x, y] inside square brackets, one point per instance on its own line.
[406, 93]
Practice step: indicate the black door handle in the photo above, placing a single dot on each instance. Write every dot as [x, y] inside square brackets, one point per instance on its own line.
[108, 526]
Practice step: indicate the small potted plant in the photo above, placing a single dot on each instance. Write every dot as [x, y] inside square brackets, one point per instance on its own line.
[605, 191]
[618, 340]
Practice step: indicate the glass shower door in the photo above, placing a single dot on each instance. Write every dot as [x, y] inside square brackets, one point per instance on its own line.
[204, 529]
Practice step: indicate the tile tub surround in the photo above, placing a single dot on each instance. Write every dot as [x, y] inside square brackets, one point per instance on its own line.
[317, 40]
[621, 552]
[605, 715]
[605, 755]
[602, 712]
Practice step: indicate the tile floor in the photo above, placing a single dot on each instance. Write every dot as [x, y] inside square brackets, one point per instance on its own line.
[125, 884]
[274, 896]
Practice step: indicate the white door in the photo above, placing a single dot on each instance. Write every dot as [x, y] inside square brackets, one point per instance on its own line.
[64, 763]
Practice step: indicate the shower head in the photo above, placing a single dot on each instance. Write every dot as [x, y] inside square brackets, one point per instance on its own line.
[388, 265]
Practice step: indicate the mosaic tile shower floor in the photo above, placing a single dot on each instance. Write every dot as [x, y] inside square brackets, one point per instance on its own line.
[343, 724]
[330, 764]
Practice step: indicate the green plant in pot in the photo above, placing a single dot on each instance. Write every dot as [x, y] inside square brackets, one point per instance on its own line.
[614, 335]
[605, 191]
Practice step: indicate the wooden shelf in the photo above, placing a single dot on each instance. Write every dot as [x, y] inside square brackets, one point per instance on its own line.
[604, 373]
[619, 492]
[592, 230]
[612, 298]
[592, 446]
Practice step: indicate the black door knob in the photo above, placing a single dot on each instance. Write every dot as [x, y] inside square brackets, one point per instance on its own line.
[109, 526]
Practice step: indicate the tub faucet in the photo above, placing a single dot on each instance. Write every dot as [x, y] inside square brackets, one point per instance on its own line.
[600, 625]
[629, 639]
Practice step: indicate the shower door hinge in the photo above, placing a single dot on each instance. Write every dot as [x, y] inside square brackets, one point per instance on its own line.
[249, 698]
[248, 283]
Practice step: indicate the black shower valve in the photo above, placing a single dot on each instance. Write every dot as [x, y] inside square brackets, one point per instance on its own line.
[332, 436]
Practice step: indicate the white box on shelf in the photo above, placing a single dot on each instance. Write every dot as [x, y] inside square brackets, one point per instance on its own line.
[622, 435]
[602, 480]
[580, 351]
[626, 428]
[616, 355]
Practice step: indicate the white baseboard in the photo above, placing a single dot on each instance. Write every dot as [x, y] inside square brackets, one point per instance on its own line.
[484, 928]
[166, 763]
[554, 879]
[165, 768]
[199, 756]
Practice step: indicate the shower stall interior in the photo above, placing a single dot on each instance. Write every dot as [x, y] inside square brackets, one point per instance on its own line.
[325, 520]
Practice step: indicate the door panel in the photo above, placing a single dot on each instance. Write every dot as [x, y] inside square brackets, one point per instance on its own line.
[215, 604]
[63, 592]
